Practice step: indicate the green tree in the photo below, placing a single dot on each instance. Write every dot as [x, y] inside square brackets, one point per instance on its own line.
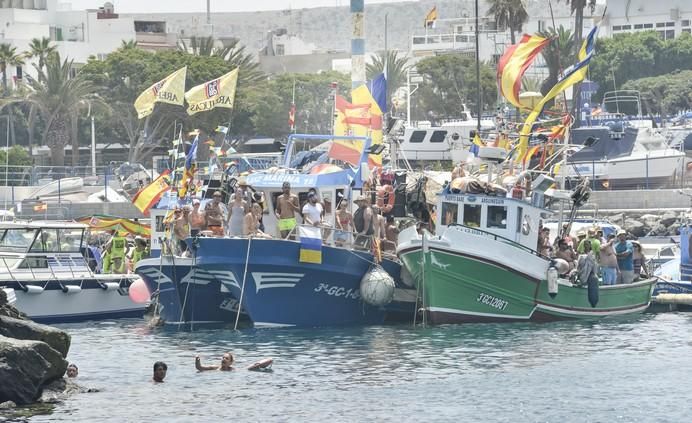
[509, 14]
[128, 44]
[18, 157]
[41, 49]
[230, 51]
[397, 69]
[8, 57]
[557, 54]
[664, 94]
[449, 84]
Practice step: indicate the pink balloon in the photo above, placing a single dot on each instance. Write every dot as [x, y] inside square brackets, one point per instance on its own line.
[139, 292]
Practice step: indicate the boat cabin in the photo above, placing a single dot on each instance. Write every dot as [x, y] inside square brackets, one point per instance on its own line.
[42, 247]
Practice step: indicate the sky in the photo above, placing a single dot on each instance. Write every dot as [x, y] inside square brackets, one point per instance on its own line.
[172, 6]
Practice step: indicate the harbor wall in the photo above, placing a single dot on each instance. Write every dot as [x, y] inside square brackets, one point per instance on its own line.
[652, 199]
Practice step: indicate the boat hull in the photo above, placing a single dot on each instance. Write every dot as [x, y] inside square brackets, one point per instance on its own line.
[188, 294]
[279, 290]
[91, 302]
[459, 287]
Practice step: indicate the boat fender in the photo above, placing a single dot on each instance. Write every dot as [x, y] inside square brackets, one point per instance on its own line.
[110, 286]
[377, 287]
[385, 198]
[552, 276]
[33, 289]
[263, 365]
[593, 290]
[561, 265]
[71, 289]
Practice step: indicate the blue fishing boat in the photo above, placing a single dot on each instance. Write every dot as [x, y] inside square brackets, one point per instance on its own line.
[673, 291]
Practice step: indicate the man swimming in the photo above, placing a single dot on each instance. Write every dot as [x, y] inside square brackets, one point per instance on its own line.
[160, 369]
[226, 364]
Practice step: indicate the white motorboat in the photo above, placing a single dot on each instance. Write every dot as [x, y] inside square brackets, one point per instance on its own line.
[44, 264]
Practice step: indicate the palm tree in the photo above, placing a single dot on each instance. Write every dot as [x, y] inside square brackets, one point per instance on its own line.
[230, 51]
[128, 45]
[41, 49]
[557, 54]
[397, 68]
[8, 57]
[508, 14]
[58, 99]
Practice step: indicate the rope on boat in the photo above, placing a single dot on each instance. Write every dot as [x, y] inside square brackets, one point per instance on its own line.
[242, 288]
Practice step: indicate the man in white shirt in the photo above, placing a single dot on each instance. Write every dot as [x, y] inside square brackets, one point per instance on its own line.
[312, 210]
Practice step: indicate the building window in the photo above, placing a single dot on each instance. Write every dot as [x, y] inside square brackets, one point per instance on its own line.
[417, 137]
[438, 136]
[449, 213]
[472, 215]
[497, 217]
[626, 27]
[617, 27]
[686, 22]
[660, 24]
[670, 34]
[687, 30]
[638, 26]
[670, 23]
[648, 26]
[541, 26]
[280, 50]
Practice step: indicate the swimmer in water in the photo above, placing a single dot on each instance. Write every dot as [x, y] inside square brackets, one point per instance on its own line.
[160, 369]
[226, 364]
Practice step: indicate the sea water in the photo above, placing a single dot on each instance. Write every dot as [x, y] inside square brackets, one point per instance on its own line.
[625, 370]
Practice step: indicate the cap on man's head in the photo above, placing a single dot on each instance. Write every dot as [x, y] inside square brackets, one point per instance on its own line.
[361, 198]
[242, 182]
[622, 232]
[286, 185]
[195, 201]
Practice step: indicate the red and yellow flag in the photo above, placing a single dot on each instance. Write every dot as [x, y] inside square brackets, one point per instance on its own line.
[513, 65]
[151, 194]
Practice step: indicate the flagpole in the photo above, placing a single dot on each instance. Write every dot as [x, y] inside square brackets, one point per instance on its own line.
[293, 105]
[478, 73]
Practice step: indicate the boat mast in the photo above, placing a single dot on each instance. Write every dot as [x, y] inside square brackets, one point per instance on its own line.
[478, 75]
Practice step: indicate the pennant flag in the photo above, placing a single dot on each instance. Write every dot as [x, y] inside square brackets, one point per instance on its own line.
[222, 129]
[190, 166]
[219, 92]
[514, 63]
[292, 117]
[150, 195]
[362, 95]
[168, 90]
[430, 18]
[348, 151]
[378, 89]
[310, 244]
[476, 145]
[572, 75]
[530, 153]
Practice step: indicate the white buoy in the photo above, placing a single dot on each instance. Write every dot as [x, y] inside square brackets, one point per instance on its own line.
[33, 289]
[110, 286]
[561, 265]
[377, 287]
[552, 276]
[71, 289]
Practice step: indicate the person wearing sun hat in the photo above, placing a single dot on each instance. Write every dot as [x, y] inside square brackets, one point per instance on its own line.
[595, 244]
[624, 250]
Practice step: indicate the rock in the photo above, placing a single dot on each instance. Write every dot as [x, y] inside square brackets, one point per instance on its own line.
[26, 329]
[7, 405]
[668, 219]
[635, 227]
[658, 230]
[25, 366]
[649, 220]
[62, 388]
[8, 310]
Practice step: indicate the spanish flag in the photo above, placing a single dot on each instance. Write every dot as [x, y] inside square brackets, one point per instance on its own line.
[362, 95]
[219, 92]
[349, 120]
[150, 195]
[572, 75]
[168, 90]
[109, 222]
[430, 18]
[513, 65]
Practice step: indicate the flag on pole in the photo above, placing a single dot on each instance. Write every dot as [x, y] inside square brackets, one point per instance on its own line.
[168, 90]
[218, 92]
[150, 195]
[476, 145]
[222, 129]
[310, 244]
[514, 63]
[430, 18]
[292, 117]
[362, 95]
[190, 167]
[572, 75]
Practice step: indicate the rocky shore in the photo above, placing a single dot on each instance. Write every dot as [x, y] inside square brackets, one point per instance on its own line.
[32, 358]
[649, 224]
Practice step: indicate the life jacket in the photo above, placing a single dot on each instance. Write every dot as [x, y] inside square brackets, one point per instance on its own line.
[107, 262]
[137, 256]
[118, 246]
[359, 221]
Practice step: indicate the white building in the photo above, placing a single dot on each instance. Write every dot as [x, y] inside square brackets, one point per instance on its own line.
[78, 34]
[669, 18]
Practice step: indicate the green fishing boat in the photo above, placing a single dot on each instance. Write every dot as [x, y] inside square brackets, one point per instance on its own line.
[481, 265]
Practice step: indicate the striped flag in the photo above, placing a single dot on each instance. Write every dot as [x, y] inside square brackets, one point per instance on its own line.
[513, 64]
[150, 195]
[310, 244]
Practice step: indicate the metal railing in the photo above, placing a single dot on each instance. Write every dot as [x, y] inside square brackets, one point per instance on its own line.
[41, 175]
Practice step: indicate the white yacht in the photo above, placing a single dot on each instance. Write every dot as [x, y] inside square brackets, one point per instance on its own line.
[44, 264]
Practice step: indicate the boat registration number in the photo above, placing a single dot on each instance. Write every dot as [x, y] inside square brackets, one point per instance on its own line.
[338, 291]
[491, 301]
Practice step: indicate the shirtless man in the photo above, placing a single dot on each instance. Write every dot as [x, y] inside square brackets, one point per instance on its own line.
[251, 223]
[379, 223]
[392, 234]
[197, 218]
[286, 207]
[214, 213]
[181, 229]
[226, 364]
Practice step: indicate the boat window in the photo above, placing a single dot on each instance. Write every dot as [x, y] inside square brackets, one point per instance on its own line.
[70, 240]
[34, 263]
[520, 212]
[17, 240]
[46, 241]
[496, 217]
[438, 136]
[417, 136]
[472, 215]
[160, 227]
[449, 213]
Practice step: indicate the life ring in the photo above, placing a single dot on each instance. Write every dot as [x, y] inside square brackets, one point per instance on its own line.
[385, 198]
[264, 364]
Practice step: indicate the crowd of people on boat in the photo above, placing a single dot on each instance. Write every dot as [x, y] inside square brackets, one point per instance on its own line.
[116, 253]
[615, 258]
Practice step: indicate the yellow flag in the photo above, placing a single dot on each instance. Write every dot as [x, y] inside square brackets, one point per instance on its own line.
[168, 90]
[219, 92]
[362, 95]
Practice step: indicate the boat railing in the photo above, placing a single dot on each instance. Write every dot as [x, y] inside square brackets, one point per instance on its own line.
[501, 239]
[353, 241]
